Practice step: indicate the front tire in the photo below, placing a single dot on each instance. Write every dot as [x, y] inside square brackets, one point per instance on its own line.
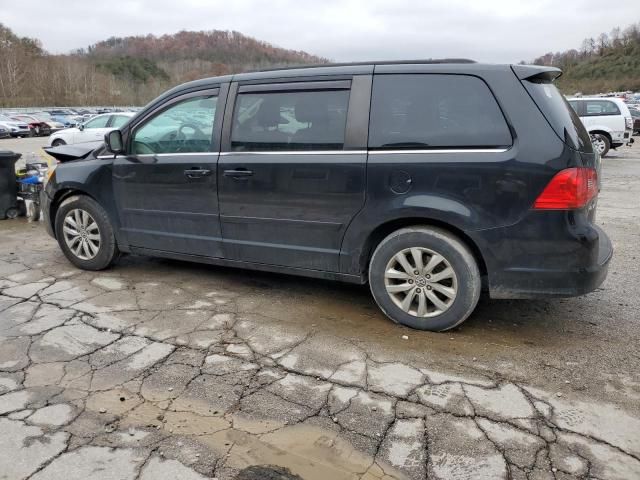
[85, 234]
[424, 278]
[58, 142]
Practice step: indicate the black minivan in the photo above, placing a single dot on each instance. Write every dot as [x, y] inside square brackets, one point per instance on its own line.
[430, 180]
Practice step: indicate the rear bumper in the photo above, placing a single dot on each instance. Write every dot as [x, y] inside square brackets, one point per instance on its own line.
[551, 254]
[540, 283]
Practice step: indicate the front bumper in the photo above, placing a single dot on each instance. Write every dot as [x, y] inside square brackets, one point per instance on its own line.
[45, 205]
[20, 133]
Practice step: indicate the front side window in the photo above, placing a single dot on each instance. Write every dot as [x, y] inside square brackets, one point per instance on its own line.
[296, 120]
[185, 127]
[98, 122]
[597, 108]
[424, 111]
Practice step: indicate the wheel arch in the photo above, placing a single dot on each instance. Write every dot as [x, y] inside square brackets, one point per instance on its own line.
[383, 230]
[60, 196]
[602, 132]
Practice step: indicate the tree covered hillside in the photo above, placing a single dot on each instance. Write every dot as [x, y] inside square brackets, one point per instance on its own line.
[610, 62]
[130, 70]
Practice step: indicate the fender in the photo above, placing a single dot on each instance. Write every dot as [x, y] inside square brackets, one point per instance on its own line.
[403, 210]
[89, 176]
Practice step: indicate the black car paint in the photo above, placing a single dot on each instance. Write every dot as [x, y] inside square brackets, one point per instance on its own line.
[321, 215]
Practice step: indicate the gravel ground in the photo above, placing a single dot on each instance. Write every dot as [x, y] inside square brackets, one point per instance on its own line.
[160, 369]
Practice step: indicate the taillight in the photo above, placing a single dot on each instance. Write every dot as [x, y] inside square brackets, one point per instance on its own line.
[628, 121]
[569, 189]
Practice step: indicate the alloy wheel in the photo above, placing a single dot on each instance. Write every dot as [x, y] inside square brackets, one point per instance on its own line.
[421, 282]
[81, 234]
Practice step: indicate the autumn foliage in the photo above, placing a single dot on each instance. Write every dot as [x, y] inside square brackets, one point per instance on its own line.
[129, 70]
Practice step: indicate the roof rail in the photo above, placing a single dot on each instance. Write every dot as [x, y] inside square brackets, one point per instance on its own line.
[355, 64]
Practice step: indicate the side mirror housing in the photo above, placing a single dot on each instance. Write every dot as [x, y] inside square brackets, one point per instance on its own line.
[113, 140]
[80, 126]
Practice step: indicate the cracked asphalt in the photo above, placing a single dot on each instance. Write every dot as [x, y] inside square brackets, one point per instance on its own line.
[158, 369]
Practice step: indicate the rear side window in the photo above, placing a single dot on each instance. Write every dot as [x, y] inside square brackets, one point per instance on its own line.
[596, 108]
[295, 120]
[119, 120]
[425, 111]
[98, 122]
[562, 118]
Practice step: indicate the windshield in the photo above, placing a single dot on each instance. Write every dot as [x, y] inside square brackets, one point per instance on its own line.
[559, 114]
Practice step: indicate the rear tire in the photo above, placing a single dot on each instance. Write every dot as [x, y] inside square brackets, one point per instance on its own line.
[85, 234]
[601, 143]
[425, 262]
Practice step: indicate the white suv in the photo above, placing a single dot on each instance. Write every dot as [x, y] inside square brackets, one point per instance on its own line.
[608, 120]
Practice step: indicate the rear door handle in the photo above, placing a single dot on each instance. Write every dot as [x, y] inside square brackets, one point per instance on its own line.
[240, 173]
[197, 172]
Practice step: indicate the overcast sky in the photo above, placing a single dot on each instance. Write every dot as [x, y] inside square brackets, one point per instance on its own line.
[341, 30]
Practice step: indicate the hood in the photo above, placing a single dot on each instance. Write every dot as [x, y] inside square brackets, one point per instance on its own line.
[67, 153]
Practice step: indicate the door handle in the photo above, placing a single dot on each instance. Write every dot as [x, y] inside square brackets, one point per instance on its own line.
[238, 174]
[197, 172]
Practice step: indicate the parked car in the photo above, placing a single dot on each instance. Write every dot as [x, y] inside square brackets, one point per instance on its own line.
[635, 114]
[16, 128]
[4, 132]
[38, 127]
[91, 132]
[48, 119]
[608, 120]
[426, 180]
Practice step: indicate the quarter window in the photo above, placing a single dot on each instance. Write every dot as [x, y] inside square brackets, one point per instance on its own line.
[426, 111]
[296, 120]
[185, 127]
[597, 108]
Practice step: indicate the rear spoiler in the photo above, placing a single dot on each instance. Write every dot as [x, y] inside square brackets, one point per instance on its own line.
[536, 73]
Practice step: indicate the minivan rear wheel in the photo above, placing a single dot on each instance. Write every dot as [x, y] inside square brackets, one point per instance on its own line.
[601, 143]
[425, 278]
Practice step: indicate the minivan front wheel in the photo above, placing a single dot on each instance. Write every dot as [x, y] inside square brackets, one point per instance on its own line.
[424, 278]
[85, 234]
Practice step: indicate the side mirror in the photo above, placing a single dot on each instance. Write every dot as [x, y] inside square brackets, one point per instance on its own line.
[80, 126]
[113, 140]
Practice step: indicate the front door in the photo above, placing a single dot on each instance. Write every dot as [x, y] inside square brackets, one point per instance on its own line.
[288, 187]
[165, 187]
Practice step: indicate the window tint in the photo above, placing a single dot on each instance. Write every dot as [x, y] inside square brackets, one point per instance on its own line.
[296, 120]
[186, 126]
[119, 120]
[435, 111]
[98, 122]
[601, 107]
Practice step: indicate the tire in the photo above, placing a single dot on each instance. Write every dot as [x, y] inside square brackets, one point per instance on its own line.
[601, 143]
[57, 142]
[101, 249]
[385, 271]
